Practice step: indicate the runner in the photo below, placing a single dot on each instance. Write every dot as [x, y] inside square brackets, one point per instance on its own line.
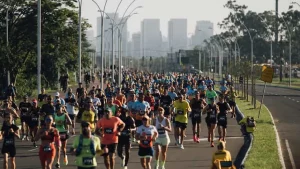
[85, 147]
[25, 108]
[49, 138]
[163, 126]
[212, 111]
[182, 108]
[147, 134]
[88, 114]
[232, 95]
[125, 137]
[8, 133]
[34, 121]
[222, 117]
[47, 109]
[62, 120]
[70, 106]
[197, 104]
[109, 129]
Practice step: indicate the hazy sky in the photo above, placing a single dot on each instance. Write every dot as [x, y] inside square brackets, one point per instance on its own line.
[193, 10]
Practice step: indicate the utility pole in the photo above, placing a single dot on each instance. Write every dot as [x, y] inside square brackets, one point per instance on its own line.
[276, 51]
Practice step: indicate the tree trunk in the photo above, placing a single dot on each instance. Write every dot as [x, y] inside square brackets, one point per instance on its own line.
[247, 86]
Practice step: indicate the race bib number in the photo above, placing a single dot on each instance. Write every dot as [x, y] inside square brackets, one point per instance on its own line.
[47, 149]
[165, 106]
[63, 136]
[87, 160]
[180, 112]
[8, 142]
[196, 115]
[108, 131]
[222, 118]
[161, 131]
[124, 133]
[34, 119]
[212, 116]
[146, 142]
[59, 122]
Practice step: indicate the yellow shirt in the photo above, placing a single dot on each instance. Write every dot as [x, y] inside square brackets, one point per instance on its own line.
[222, 155]
[182, 109]
[248, 129]
[86, 151]
[89, 116]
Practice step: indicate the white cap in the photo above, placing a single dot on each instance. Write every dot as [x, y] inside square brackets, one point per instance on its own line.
[57, 94]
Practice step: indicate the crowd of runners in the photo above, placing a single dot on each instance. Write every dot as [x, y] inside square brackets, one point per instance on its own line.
[144, 110]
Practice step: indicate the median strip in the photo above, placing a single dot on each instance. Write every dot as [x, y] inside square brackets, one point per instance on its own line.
[264, 152]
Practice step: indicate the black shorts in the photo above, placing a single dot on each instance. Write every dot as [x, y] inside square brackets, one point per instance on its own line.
[180, 125]
[210, 121]
[232, 103]
[33, 125]
[124, 140]
[10, 150]
[138, 123]
[64, 136]
[111, 148]
[196, 120]
[146, 152]
[25, 119]
[86, 167]
[222, 121]
[72, 116]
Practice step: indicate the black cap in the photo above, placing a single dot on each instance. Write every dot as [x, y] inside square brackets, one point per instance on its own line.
[85, 124]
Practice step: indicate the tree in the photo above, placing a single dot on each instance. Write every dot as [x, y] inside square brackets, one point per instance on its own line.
[59, 40]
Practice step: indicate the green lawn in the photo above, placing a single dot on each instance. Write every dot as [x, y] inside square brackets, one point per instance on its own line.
[264, 152]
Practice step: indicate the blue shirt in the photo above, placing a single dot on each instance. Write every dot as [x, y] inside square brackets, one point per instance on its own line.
[141, 106]
[173, 95]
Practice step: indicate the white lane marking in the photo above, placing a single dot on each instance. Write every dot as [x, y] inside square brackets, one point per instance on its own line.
[289, 98]
[33, 149]
[293, 99]
[290, 154]
[284, 96]
[216, 138]
[297, 101]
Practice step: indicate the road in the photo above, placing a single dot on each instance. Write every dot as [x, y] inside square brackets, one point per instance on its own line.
[284, 106]
[195, 155]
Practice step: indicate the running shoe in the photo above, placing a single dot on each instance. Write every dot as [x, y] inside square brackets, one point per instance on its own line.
[198, 139]
[181, 147]
[123, 162]
[195, 138]
[156, 166]
[212, 144]
[66, 160]
[57, 165]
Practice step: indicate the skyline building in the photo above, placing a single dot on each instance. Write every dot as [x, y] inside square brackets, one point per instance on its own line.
[177, 34]
[203, 31]
[151, 37]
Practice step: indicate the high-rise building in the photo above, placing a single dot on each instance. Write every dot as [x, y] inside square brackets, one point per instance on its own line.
[108, 33]
[177, 34]
[136, 45]
[151, 37]
[203, 31]
[91, 38]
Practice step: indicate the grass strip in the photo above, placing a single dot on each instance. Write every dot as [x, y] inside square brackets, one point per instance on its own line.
[264, 151]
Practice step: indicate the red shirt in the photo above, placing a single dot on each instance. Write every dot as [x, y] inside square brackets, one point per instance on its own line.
[110, 129]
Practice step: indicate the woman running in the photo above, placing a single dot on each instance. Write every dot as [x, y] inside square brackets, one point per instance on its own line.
[34, 120]
[8, 133]
[212, 111]
[163, 126]
[62, 120]
[147, 134]
[49, 137]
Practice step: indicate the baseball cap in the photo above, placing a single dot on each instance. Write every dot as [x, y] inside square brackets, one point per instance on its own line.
[221, 145]
[108, 110]
[34, 101]
[57, 94]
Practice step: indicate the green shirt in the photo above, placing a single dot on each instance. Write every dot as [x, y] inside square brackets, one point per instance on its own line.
[86, 151]
[210, 94]
[60, 122]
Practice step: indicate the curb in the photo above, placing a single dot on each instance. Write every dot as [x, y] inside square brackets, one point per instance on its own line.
[245, 149]
[282, 87]
[277, 140]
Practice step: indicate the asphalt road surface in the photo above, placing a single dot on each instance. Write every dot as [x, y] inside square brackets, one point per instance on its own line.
[284, 106]
[195, 155]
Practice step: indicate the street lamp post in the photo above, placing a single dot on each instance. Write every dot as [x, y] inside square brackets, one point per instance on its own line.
[79, 41]
[7, 44]
[39, 45]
